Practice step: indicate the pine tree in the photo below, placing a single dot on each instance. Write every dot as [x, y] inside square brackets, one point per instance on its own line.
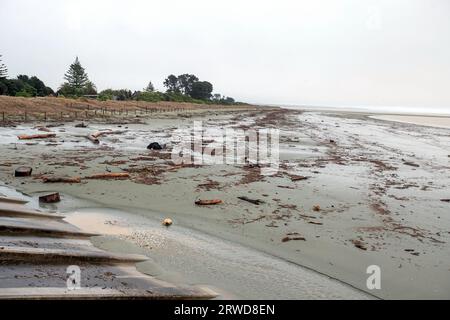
[76, 77]
[77, 81]
[3, 69]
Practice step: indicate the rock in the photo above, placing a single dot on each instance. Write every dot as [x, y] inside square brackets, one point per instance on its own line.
[50, 198]
[154, 146]
[359, 244]
[81, 125]
[167, 222]
[316, 208]
[23, 172]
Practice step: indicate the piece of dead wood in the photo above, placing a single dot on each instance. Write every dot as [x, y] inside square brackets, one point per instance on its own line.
[93, 139]
[36, 136]
[286, 239]
[254, 201]
[445, 200]
[411, 164]
[298, 178]
[61, 179]
[23, 172]
[110, 175]
[208, 202]
[103, 133]
[50, 198]
[44, 129]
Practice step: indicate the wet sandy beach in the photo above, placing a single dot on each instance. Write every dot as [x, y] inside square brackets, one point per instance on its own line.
[378, 184]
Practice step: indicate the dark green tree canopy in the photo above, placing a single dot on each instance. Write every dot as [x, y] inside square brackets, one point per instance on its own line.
[185, 83]
[201, 90]
[24, 86]
[171, 83]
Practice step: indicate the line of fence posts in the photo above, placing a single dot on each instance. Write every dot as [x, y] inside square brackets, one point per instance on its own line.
[102, 112]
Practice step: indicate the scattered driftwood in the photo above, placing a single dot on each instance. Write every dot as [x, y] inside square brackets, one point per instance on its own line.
[61, 179]
[167, 222]
[44, 129]
[104, 133]
[298, 178]
[94, 136]
[110, 175]
[254, 201]
[23, 172]
[445, 200]
[412, 164]
[93, 139]
[286, 239]
[50, 198]
[208, 202]
[36, 136]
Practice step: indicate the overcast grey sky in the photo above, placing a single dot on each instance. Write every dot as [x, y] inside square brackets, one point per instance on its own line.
[319, 52]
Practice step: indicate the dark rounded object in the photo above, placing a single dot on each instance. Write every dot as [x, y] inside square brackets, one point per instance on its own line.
[154, 146]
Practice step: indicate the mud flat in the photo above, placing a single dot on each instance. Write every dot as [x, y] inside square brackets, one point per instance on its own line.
[434, 121]
[350, 192]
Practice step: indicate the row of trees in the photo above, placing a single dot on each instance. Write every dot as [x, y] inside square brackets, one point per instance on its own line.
[23, 85]
[182, 88]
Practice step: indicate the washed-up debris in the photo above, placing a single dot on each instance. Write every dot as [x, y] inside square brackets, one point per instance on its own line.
[23, 172]
[314, 222]
[61, 179]
[208, 202]
[359, 244]
[93, 139]
[94, 136]
[412, 164]
[286, 187]
[167, 222]
[50, 198]
[154, 146]
[45, 129]
[316, 207]
[110, 175]
[286, 239]
[36, 136]
[104, 133]
[254, 201]
[298, 178]
[445, 200]
[81, 125]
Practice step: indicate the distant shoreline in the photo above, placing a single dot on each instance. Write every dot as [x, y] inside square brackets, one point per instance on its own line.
[429, 121]
[433, 112]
